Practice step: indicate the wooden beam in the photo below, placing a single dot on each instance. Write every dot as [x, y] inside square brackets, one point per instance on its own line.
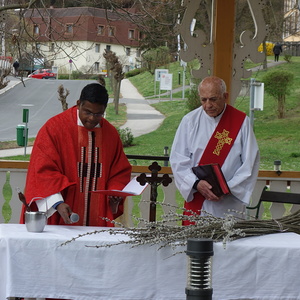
[223, 39]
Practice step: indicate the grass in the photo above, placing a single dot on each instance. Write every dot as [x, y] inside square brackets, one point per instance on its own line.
[278, 139]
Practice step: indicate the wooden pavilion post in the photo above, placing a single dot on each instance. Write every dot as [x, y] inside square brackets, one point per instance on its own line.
[223, 40]
[222, 57]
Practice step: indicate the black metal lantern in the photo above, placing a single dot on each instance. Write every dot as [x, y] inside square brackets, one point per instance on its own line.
[199, 252]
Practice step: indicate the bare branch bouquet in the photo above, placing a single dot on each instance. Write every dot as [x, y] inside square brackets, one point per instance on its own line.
[205, 226]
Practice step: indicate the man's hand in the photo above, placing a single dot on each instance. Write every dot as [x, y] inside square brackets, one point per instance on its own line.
[204, 188]
[65, 211]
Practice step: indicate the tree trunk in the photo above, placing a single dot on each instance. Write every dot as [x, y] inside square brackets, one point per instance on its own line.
[281, 106]
[117, 95]
[265, 65]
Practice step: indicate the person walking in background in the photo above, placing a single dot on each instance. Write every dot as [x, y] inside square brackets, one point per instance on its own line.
[77, 152]
[216, 132]
[277, 49]
[16, 66]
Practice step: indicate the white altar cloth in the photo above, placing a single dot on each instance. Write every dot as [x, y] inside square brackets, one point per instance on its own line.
[36, 265]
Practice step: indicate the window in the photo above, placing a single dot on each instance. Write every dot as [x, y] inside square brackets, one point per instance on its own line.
[131, 34]
[138, 52]
[298, 23]
[127, 51]
[111, 31]
[36, 29]
[100, 30]
[108, 47]
[52, 47]
[97, 48]
[141, 35]
[69, 28]
[96, 66]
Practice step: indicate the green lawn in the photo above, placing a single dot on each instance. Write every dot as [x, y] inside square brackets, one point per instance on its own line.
[278, 139]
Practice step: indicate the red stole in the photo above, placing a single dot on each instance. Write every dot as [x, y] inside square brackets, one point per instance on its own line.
[217, 150]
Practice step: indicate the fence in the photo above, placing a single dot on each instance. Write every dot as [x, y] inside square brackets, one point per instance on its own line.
[291, 48]
[13, 175]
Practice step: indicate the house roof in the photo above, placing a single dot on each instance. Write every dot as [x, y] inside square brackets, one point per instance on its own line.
[73, 12]
[85, 20]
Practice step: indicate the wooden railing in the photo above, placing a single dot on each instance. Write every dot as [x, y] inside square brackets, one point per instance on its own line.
[13, 175]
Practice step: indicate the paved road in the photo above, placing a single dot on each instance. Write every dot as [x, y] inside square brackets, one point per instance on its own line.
[40, 97]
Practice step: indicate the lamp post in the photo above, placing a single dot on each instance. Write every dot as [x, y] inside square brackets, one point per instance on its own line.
[70, 62]
[277, 167]
[166, 148]
[199, 252]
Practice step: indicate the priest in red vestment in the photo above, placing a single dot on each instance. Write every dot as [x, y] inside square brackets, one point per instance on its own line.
[75, 153]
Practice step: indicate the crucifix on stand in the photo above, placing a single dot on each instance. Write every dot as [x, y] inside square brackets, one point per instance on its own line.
[154, 180]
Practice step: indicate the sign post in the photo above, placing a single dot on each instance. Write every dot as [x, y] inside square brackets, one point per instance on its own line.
[256, 98]
[25, 120]
[166, 81]
[158, 73]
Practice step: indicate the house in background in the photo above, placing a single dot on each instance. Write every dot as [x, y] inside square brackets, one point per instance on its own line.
[75, 38]
[291, 30]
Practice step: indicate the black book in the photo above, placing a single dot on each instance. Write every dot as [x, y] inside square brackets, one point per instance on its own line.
[213, 174]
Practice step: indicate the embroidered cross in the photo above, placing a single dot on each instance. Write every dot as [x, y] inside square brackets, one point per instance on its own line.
[222, 140]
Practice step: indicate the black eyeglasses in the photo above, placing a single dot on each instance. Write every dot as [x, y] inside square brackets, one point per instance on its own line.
[90, 114]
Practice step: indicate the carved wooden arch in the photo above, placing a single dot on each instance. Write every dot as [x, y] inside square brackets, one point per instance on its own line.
[228, 62]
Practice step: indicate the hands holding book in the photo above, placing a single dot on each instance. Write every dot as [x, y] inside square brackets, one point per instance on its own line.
[212, 184]
[205, 189]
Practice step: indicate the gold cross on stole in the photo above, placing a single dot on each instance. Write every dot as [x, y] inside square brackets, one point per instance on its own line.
[223, 139]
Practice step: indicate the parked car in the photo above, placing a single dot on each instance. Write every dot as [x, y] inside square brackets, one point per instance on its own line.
[43, 74]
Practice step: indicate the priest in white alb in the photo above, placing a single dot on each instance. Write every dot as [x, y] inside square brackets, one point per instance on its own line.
[218, 133]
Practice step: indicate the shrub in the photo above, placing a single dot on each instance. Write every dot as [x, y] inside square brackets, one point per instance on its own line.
[63, 76]
[278, 84]
[134, 72]
[287, 58]
[193, 100]
[126, 136]
[76, 74]
[269, 47]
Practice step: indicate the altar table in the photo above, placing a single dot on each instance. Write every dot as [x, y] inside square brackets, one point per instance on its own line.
[38, 265]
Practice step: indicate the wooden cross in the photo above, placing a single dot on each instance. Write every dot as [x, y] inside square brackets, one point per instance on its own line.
[154, 180]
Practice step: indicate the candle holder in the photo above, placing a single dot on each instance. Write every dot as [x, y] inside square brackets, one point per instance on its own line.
[199, 252]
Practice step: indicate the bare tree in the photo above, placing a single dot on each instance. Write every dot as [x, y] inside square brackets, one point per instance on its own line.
[116, 75]
[62, 96]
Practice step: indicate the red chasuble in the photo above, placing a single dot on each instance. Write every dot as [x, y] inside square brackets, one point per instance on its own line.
[70, 159]
[217, 150]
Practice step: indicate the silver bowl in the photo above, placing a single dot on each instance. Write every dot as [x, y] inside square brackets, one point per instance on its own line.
[35, 221]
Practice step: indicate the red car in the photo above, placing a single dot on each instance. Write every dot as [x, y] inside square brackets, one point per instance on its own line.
[43, 74]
